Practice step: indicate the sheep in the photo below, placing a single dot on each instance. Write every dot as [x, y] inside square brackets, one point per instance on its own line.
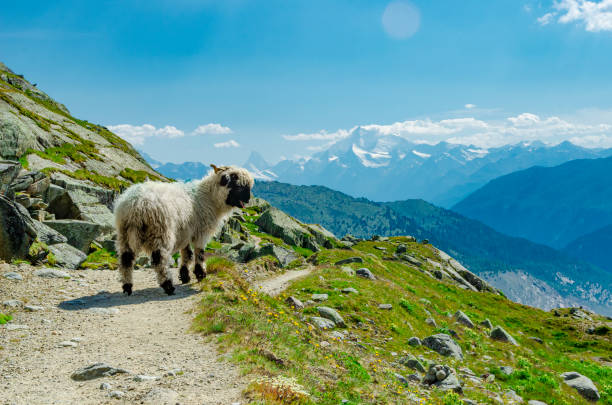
[160, 219]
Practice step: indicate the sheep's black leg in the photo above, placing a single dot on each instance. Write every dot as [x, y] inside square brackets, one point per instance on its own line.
[186, 259]
[200, 270]
[160, 260]
[125, 270]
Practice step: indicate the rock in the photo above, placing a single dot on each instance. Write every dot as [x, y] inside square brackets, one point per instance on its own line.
[8, 172]
[349, 260]
[319, 297]
[67, 343]
[161, 396]
[498, 333]
[414, 377]
[385, 306]
[14, 238]
[412, 260]
[463, 319]
[39, 188]
[79, 233]
[142, 378]
[442, 377]
[507, 370]
[414, 341]
[116, 394]
[12, 303]
[281, 225]
[67, 256]
[174, 372]
[580, 314]
[512, 397]
[96, 370]
[332, 315]
[84, 205]
[285, 256]
[535, 402]
[401, 378]
[13, 326]
[487, 324]
[401, 249]
[322, 323]
[51, 273]
[13, 276]
[33, 308]
[444, 344]
[432, 322]
[365, 273]
[412, 362]
[347, 270]
[105, 386]
[536, 339]
[582, 384]
[103, 311]
[47, 235]
[294, 302]
[349, 290]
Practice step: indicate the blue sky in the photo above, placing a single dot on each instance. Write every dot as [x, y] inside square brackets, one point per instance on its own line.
[212, 80]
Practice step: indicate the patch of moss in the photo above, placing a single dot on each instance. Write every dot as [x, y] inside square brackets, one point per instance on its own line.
[82, 174]
[100, 259]
[137, 176]
[5, 318]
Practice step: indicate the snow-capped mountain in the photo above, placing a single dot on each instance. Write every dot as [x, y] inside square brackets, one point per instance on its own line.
[388, 167]
[258, 167]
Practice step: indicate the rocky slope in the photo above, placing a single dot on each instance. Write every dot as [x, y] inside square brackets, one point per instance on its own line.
[59, 176]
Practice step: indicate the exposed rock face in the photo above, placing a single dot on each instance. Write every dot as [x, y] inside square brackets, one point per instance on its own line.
[332, 315]
[582, 384]
[67, 256]
[79, 234]
[96, 370]
[443, 344]
[281, 225]
[14, 241]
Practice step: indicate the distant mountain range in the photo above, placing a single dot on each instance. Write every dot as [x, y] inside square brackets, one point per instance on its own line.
[553, 206]
[388, 167]
[529, 273]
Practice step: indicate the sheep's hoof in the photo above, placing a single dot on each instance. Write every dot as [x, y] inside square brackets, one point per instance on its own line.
[168, 287]
[199, 272]
[184, 274]
[127, 288]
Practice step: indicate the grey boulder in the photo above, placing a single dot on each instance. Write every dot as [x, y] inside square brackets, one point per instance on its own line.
[498, 333]
[332, 315]
[79, 233]
[365, 273]
[67, 256]
[444, 344]
[463, 319]
[322, 323]
[582, 384]
[51, 273]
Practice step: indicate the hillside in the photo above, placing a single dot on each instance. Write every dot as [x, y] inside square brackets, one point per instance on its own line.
[552, 205]
[477, 246]
[44, 136]
[390, 321]
[593, 247]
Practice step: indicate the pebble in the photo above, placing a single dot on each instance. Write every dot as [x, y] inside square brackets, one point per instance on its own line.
[13, 276]
[67, 343]
[385, 306]
[51, 273]
[33, 308]
[105, 386]
[319, 297]
[174, 372]
[12, 303]
[116, 394]
[141, 378]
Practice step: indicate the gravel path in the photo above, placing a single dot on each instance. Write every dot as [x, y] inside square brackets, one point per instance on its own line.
[86, 319]
[275, 285]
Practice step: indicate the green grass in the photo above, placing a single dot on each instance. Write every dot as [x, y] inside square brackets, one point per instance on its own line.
[100, 259]
[217, 264]
[5, 318]
[137, 176]
[82, 174]
[243, 321]
[39, 120]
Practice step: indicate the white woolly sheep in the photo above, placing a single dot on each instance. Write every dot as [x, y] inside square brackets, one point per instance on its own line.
[160, 219]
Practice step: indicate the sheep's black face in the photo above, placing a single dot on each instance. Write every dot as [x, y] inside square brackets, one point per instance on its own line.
[238, 195]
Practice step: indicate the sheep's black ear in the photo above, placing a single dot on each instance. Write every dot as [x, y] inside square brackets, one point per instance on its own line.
[224, 180]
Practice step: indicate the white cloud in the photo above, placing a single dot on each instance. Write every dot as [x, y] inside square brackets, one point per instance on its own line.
[401, 19]
[483, 134]
[212, 129]
[229, 144]
[470, 106]
[137, 134]
[594, 15]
